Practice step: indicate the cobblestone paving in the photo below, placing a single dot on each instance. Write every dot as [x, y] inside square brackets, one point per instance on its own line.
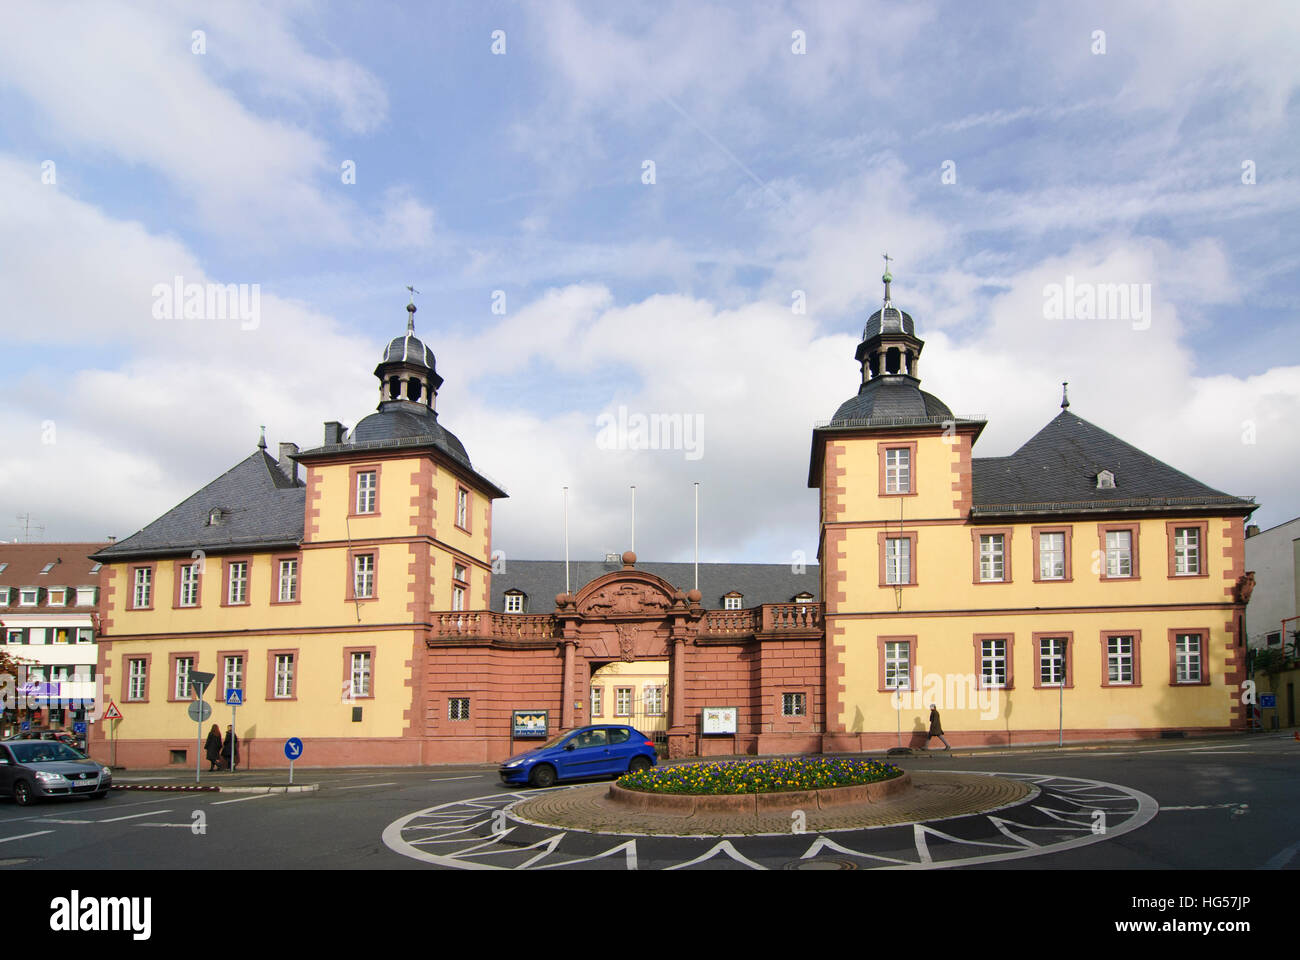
[934, 796]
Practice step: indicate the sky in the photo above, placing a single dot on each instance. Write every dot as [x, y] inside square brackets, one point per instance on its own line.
[635, 210]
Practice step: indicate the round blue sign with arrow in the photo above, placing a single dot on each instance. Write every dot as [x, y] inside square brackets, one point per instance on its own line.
[293, 748]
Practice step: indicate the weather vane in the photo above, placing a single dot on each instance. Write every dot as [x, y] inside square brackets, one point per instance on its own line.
[413, 292]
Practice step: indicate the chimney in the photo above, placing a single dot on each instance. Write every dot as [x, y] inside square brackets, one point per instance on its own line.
[1252, 530]
[333, 432]
[287, 463]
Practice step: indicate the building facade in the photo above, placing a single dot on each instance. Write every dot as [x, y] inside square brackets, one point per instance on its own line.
[1273, 624]
[1077, 588]
[49, 594]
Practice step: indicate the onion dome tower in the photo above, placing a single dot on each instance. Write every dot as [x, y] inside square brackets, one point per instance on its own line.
[889, 354]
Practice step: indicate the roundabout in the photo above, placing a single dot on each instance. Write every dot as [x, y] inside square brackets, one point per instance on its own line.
[948, 819]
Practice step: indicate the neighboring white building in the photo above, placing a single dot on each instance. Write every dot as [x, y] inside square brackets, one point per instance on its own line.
[49, 595]
[1274, 556]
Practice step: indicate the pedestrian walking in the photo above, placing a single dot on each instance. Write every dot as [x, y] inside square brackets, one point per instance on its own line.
[230, 749]
[936, 728]
[212, 747]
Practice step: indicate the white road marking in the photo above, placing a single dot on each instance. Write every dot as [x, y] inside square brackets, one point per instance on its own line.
[24, 836]
[131, 816]
[186, 825]
[445, 779]
[723, 847]
[52, 820]
[362, 786]
[1211, 806]
[1282, 857]
[255, 796]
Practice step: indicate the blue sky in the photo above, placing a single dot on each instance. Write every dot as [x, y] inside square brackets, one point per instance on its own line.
[522, 172]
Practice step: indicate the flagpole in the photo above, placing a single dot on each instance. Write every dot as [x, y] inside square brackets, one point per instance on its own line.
[633, 547]
[697, 534]
[566, 539]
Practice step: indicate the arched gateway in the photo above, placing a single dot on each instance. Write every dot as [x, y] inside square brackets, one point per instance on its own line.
[483, 667]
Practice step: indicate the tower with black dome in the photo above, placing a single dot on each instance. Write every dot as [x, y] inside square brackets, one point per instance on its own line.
[893, 464]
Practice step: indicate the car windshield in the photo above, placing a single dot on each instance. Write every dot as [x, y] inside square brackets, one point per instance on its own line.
[43, 751]
[555, 741]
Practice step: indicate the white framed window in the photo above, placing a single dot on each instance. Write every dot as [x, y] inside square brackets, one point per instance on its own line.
[993, 662]
[1187, 658]
[232, 674]
[458, 708]
[284, 675]
[1051, 556]
[1187, 551]
[85, 635]
[15, 636]
[28, 596]
[1119, 659]
[190, 585]
[143, 587]
[731, 603]
[898, 560]
[58, 596]
[363, 575]
[794, 705]
[137, 678]
[85, 596]
[4, 596]
[458, 598]
[458, 572]
[622, 701]
[898, 665]
[367, 489]
[1051, 661]
[898, 470]
[597, 701]
[183, 667]
[992, 566]
[654, 700]
[462, 508]
[237, 591]
[288, 581]
[361, 673]
[514, 603]
[60, 635]
[1119, 553]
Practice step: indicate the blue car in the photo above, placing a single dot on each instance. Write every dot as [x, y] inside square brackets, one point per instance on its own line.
[601, 750]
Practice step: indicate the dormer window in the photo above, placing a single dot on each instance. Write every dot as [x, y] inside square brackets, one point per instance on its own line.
[514, 601]
[27, 596]
[58, 596]
[1105, 480]
[732, 601]
[216, 516]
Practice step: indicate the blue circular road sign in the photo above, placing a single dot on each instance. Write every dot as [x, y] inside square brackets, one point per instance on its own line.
[293, 748]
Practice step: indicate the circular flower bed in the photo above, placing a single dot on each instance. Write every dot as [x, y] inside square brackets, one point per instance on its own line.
[783, 775]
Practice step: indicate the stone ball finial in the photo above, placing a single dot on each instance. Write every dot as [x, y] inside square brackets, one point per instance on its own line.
[629, 559]
[410, 308]
[561, 599]
[695, 596]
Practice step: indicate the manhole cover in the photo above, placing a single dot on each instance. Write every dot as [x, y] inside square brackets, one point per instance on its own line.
[821, 863]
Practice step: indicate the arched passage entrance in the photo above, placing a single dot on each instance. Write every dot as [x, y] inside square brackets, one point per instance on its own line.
[633, 692]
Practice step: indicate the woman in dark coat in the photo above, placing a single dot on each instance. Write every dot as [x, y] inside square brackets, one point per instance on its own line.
[231, 745]
[212, 747]
[936, 729]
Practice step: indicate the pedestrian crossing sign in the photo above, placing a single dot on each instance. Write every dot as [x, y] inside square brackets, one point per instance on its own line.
[234, 697]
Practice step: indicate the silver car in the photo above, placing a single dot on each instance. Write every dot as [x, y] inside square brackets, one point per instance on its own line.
[31, 770]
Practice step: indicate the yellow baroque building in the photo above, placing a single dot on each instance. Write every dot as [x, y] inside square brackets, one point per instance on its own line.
[1078, 588]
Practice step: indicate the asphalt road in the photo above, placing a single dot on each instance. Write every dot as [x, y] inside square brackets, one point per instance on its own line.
[1223, 804]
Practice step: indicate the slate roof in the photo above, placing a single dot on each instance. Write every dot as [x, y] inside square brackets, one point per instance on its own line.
[1055, 471]
[891, 396]
[759, 583]
[263, 508]
[889, 320]
[408, 349]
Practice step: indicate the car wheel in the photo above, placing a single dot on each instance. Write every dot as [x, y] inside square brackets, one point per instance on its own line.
[24, 796]
[99, 795]
[638, 764]
[543, 775]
